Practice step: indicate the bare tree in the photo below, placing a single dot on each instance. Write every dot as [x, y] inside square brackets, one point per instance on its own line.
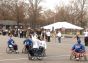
[49, 16]
[79, 11]
[12, 10]
[74, 13]
[34, 12]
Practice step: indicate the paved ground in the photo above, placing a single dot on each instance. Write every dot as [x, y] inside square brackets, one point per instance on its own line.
[56, 52]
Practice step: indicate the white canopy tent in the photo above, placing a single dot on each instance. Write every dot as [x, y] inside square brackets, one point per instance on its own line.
[59, 25]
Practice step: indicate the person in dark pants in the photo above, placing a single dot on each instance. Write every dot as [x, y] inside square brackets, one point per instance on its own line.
[21, 33]
[43, 34]
[24, 33]
[39, 33]
[59, 36]
[77, 36]
[16, 33]
[59, 39]
[48, 35]
[48, 38]
[86, 37]
[86, 41]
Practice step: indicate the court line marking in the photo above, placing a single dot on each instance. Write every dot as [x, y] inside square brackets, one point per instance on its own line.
[27, 58]
[13, 59]
[2, 60]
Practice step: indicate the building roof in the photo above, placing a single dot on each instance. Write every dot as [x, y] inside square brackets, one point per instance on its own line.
[8, 22]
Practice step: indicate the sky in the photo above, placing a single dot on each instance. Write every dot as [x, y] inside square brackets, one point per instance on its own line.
[50, 4]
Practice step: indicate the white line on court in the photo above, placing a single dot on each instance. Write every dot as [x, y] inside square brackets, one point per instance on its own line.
[27, 58]
[2, 60]
[13, 59]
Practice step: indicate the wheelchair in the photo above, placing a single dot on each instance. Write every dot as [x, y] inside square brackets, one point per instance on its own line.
[35, 53]
[42, 51]
[12, 49]
[81, 56]
[25, 49]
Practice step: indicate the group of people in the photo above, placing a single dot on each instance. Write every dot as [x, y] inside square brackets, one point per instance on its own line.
[31, 43]
[34, 42]
[22, 33]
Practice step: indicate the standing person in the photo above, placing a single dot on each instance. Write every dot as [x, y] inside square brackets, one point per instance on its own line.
[59, 36]
[9, 32]
[48, 34]
[38, 33]
[77, 36]
[86, 37]
[15, 33]
[24, 33]
[20, 32]
[43, 34]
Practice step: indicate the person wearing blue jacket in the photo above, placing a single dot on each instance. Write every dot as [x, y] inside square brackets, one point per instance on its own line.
[10, 42]
[12, 45]
[78, 48]
[28, 42]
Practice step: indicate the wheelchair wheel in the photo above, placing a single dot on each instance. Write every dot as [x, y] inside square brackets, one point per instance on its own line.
[72, 56]
[33, 58]
[44, 54]
[24, 50]
[29, 56]
[8, 50]
[16, 52]
[39, 58]
[85, 57]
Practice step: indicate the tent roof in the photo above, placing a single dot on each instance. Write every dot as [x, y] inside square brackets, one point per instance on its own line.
[65, 25]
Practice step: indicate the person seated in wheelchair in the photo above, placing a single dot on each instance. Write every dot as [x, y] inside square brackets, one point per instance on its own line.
[10, 42]
[78, 49]
[38, 47]
[28, 42]
[42, 46]
[12, 45]
[34, 51]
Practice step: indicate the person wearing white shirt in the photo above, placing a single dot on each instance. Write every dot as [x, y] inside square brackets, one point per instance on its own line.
[86, 37]
[43, 44]
[59, 36]
[35, 42]
[35, 47]
[42, 47]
